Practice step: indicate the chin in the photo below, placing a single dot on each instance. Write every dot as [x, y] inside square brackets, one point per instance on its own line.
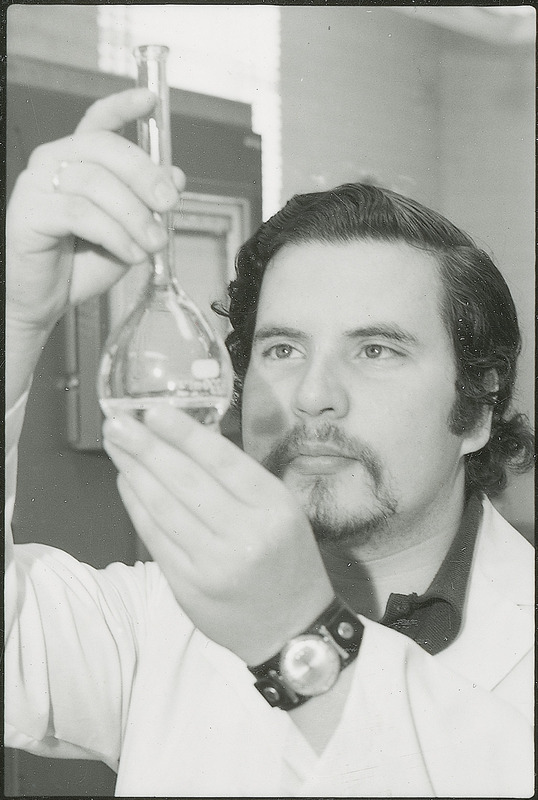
[357, 530]
[332, 519]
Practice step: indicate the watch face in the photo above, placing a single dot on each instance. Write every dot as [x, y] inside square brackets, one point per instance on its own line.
[309, 664]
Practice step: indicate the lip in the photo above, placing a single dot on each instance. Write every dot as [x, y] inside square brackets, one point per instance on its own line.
[319, 450]
[323, 464]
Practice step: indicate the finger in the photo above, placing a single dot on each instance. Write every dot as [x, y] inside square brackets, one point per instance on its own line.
[161, 507]
[237, 471]
[113, 112]
[63, 215]
[105, 190]
[208, 459]
[163, 550]
[95, 271]
[156, 186]
[212, 504]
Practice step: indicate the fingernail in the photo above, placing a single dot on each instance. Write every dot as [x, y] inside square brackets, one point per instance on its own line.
[165, 193]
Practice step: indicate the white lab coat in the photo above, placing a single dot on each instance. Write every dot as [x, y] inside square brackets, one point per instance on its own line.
[104, 664]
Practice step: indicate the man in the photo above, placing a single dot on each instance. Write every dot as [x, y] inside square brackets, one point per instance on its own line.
[375, 351]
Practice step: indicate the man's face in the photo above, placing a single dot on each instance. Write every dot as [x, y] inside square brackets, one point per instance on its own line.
[350, 385]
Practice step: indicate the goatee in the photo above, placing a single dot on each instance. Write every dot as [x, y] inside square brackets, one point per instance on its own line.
[329, 522]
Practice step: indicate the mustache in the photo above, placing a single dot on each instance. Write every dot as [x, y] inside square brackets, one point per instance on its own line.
[300, 436]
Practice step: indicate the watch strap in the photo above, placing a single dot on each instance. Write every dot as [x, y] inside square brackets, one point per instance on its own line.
[337, 624]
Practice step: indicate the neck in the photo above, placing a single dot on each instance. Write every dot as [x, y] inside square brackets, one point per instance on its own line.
[404, 560]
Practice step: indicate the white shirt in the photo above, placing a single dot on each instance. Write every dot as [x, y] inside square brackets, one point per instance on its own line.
[104, 664]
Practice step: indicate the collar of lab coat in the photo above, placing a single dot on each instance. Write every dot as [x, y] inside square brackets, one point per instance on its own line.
[497, 629]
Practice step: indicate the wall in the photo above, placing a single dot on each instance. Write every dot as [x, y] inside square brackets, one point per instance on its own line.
[65, 34]
[359, 96]
[432, 113]
[487, 185]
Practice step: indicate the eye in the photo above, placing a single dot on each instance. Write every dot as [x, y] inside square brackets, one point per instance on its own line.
[377, 351]
[281, 352]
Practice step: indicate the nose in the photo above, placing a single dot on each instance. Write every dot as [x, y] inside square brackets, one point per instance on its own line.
[321, 390]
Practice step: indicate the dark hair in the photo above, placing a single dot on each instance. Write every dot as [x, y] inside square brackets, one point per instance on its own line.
[478, 309]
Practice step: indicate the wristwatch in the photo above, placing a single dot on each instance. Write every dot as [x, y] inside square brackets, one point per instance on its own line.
[309, 664]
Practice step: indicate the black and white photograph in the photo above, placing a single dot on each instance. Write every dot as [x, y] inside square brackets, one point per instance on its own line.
[269, 394]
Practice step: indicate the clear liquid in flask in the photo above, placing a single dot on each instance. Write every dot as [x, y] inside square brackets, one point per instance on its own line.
[209, 413]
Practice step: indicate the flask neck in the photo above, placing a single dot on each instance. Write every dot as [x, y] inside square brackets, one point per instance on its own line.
[154, 134]
[154, 137]
[162, 262]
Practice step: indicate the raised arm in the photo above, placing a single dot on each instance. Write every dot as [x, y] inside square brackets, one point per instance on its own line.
[80, 215]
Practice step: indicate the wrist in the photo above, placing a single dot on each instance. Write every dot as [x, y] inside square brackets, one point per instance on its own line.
[310, 664]
[280, 625]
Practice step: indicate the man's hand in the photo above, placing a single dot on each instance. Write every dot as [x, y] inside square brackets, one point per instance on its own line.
[237, 551]
[79, 216]
[105, 194]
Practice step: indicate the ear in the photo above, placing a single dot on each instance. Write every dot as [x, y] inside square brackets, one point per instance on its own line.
[479, 436]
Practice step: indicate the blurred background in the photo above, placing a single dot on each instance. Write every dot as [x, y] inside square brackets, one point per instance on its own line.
[435, 102]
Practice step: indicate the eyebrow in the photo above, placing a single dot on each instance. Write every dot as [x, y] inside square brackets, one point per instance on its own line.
[272, 331]
[384, 331]
[393, 332]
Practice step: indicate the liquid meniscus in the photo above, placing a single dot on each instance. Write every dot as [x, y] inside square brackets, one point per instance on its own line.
[207, 410]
